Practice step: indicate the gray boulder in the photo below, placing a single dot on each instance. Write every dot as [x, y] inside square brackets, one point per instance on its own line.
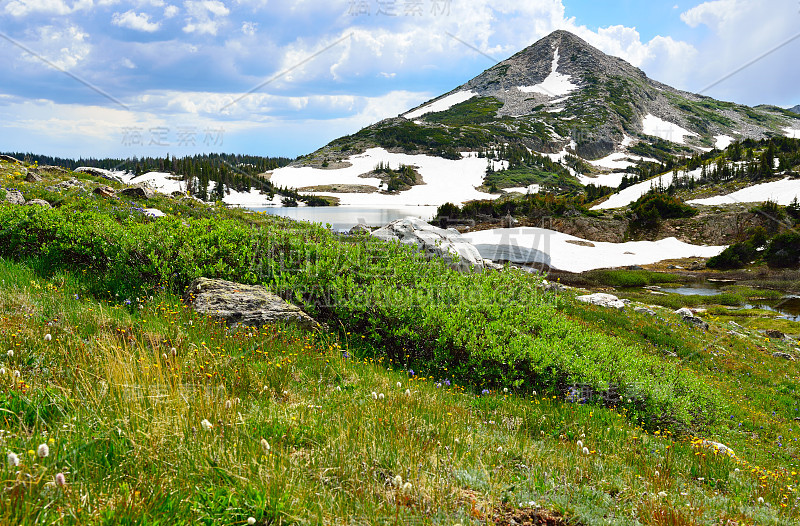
[359, 229]
[38, 202]
[603, 300]
[644, 310]
[775, 334]
[243, 305]
[139, 192]
[33, 177]
[433, 242]
[14, 197]
[784, 355]
[689, 317]
[104, 191]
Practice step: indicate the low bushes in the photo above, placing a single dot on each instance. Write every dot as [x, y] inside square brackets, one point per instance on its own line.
[492, 329]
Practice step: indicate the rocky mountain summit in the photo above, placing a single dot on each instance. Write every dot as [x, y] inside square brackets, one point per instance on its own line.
[562, 93]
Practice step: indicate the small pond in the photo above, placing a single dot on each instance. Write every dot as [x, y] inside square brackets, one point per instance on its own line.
[788, 307]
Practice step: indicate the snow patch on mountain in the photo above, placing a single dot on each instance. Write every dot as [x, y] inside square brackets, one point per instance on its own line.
[443, 104]
[722, 141]
[560, 251]
[792, 133]
[652, 125]
[555, 85]
[782, 192]
[611, 180]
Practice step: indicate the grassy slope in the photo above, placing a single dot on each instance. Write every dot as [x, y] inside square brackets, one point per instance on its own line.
[123, 413]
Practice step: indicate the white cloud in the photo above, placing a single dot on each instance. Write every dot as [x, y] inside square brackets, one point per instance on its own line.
[170, 11]
[713, 14]
[135, 21]
[19, 8]
[65, 48]
[200, 19]
[249, 28]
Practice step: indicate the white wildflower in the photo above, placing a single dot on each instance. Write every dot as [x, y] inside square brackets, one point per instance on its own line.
[580, 444]
[228, 404]
[657, 474]
[10, 353]
[397, 481]
[505, 389]
[61, 480]
[48, 337]
[43, 450]
[761, 500]
[13, 459]
[265, 444]
[251, 520]
[380, 396]
[206, 424]
[586, 451]
[408, 392]
[374, 395]
[407, 487]
[399, 385]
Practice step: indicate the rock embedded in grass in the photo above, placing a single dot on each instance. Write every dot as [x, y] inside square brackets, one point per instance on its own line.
[14, 197]
[603, 300]
[243, 305]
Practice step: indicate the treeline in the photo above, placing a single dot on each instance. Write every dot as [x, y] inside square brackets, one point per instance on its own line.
[207, 176]
[531, 206]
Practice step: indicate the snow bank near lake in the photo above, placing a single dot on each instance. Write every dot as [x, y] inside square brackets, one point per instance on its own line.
[652, 125]
[781, 192]
[560, 251]
[446, 180]
[443, 104]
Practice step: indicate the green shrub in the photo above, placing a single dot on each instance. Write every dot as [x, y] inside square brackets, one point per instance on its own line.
[654, 206]
[784, 250]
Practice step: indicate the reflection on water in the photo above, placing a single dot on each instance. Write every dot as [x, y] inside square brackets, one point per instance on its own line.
[346, 217]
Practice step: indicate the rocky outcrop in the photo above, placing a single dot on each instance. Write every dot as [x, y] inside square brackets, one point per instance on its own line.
[433, 242]
[33, 177]
[10, 159]
[243, 305]
[138, 192]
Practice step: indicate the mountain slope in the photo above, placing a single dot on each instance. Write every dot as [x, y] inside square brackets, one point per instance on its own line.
[563, 92]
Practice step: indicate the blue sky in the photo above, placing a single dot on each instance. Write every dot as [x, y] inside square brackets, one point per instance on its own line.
[150, 77]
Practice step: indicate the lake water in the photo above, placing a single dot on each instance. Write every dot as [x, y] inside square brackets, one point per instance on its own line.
[346, 217]
[788, 307]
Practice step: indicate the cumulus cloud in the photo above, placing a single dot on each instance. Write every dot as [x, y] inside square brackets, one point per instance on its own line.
[171, 11]
[204, 16]
[135, 21]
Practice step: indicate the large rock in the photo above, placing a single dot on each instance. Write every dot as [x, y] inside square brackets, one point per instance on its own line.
[14, 197]
[98, 172]
[139, 192]
[603, 300]
[434, 242]
[39, 202]
[243, 305]
[104, 191]
[33, 177]
[10, 159]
